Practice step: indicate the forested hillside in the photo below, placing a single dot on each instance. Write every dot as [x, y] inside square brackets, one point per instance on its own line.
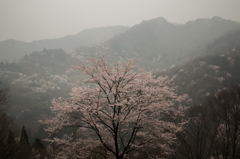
[225, 43]
[203, 56]
[42, 75]
[204, 76]
[158, 44]
[34, 81]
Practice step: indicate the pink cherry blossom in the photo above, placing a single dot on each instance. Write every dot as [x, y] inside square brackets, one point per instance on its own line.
[119, 109]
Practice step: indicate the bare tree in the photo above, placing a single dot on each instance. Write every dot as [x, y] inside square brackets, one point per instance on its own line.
[197, 139]
[226, 106]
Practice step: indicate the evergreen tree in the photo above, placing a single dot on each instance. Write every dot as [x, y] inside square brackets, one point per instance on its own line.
[38, 143]
[25, 148]
[11, 139]
[39, 149]
[11, 148]
[24, 136]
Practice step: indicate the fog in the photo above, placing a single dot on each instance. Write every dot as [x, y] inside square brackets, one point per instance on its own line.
[28, 20]
[119, 79]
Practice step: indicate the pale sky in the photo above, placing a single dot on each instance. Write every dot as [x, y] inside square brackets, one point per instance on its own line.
[28, 20]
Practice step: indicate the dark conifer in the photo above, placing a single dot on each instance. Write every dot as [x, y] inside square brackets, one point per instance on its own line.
[38, 143]
[11, 138]
[24, 136]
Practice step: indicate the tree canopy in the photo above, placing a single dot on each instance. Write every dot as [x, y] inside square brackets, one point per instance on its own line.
[116, 110]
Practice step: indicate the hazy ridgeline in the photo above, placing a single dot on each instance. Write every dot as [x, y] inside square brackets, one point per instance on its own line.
[13, 49]
[203, 57]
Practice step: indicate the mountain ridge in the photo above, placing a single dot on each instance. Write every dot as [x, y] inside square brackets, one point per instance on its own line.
[43, 75]
[161, 43]
[14, 49]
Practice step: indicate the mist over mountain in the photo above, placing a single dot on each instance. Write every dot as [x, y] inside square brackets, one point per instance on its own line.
[13, 49]
[204, 76]
[159, 44]
[204, 55]
[225, 43]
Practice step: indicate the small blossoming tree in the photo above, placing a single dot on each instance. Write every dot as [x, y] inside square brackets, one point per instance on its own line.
[116, 109]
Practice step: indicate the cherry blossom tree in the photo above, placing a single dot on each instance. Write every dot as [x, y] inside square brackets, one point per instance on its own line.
[117, 109]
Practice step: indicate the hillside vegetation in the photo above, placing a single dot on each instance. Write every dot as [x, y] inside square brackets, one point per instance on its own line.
[204, 76]
[202, 54]
[159, 44]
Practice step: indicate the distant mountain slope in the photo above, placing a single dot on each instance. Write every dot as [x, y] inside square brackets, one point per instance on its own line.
[160, 44]
[36, 79]
[224, 43]
[43, 75]
[206, 75]
[13, 49]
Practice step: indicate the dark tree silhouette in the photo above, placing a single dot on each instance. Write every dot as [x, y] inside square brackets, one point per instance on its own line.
[24, 136]
[38, 143]
[11, 138]
[8, 128]
[226, 106]
[213, 129]
[198, 138]
[39, 150]
[25, 150]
